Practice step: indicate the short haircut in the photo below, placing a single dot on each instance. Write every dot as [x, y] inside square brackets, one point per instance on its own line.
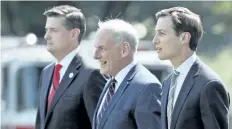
[121, 31]
[185, 21]
[74, 18]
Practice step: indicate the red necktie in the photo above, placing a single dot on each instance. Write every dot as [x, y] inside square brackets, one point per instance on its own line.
[56, 79]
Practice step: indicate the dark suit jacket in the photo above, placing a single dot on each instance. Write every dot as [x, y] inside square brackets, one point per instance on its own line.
[202, 103]
[136, 103]
[75, 100]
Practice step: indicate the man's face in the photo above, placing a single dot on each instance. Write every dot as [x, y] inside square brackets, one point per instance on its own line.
[168, 44]
[57, 36]
[107, 53]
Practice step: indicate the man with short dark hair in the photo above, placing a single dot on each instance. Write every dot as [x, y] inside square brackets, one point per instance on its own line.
[193, 96]
[69, 88]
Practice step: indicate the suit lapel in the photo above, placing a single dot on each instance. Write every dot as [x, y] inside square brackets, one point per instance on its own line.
[164, 100]
[126, 81]
[185, 89]
[47, 75]
[65, 82]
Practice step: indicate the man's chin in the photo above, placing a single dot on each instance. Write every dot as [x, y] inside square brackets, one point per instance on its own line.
[162, 57]
[103, 72]
[50, 49]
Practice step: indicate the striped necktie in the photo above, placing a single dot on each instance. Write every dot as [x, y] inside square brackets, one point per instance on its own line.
[109, 94]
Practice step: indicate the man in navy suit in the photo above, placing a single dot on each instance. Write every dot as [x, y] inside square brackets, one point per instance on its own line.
[131, 97]
[69, 87]
[193, 96]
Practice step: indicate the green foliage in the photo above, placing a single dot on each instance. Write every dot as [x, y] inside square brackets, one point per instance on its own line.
[222, 10]
[222, 7]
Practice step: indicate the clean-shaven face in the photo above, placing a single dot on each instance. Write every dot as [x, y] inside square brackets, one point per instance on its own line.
[107, 53]
[167, 43]
[57, 36]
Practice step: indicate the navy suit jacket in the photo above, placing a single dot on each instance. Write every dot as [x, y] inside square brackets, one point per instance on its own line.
[75, 100]
[203, 101]
[136, 103]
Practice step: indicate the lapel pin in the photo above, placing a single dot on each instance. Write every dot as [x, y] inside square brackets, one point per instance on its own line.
[70, 75]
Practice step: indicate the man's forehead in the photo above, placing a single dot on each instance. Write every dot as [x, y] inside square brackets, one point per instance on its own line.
[164, 23]
[100, 41]
[54, 21]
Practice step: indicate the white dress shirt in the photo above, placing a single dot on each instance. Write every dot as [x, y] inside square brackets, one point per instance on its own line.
[65, 62]
[183, 69]
[119, 78]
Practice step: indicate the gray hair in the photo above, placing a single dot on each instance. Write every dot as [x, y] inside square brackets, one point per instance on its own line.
[121, 32]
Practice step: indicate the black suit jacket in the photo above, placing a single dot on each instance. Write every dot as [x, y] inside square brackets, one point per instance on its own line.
[203, 101]
[75, 100]
[135, 104]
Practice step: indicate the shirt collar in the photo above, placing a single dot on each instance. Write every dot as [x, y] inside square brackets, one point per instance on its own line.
[68, 58]
[122, 74]
[187, 64]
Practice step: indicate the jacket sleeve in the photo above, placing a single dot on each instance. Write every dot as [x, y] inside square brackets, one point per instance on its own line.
[92, 92]
[148, 108]
[214, 106]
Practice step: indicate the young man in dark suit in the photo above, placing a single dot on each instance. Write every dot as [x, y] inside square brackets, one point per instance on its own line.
[69, 88]
[193, 96]
[131, 97]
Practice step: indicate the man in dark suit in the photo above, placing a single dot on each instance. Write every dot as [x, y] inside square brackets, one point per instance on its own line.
[193, 96]
[69, 88]
[131, 97]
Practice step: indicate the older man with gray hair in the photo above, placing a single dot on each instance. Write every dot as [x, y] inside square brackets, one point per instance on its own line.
[131, 97]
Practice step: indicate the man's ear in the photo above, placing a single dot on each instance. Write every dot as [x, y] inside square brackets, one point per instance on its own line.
[185, 37]
[75, 33]
[125, 49]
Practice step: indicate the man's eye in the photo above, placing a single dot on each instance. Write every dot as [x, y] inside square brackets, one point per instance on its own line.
[102, 49]
[161, 33]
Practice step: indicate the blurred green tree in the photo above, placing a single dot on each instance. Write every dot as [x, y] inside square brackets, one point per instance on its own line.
[222, 9]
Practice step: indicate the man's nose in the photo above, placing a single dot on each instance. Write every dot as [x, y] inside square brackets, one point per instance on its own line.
[96, 54]
[46, 35]
[155, 40]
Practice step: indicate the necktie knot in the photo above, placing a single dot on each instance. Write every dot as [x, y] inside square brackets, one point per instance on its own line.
[175, 74]
[58, 67]
[56, 78]
[112, 86]
[113, 82]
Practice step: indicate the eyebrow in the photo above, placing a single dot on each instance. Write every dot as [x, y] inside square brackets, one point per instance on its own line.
[160, 30]
[100, 46]
[52, 28]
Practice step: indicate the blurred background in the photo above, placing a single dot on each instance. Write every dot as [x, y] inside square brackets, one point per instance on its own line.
[24, 55]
